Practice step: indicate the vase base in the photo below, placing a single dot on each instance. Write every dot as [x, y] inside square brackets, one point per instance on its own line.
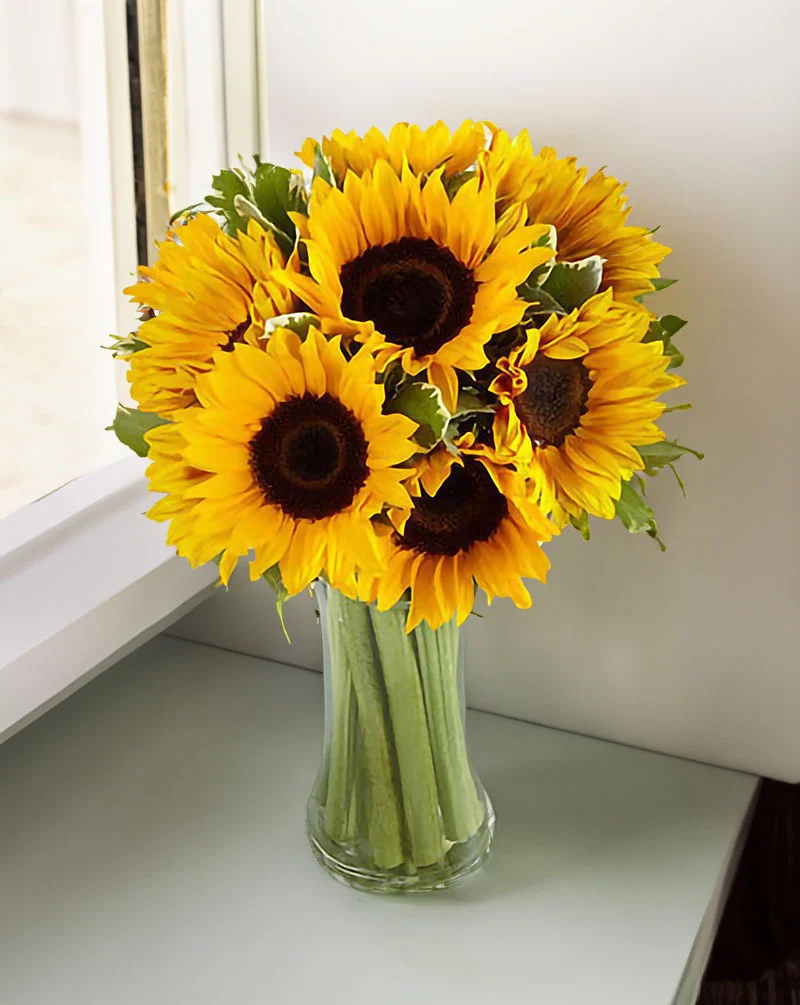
[344, 863]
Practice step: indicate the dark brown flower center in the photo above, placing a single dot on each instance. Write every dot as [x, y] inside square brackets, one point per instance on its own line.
[236, 336]
[415, 292]
[552, 404]
[310, 456]
[468, 508]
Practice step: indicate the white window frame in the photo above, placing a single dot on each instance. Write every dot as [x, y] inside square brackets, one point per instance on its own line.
[84, 577]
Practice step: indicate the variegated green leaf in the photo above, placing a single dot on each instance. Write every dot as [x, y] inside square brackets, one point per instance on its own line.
[423, 403]
[572, 283]
[247, 209]
[548, 240]
[299, 323]
[278, 192]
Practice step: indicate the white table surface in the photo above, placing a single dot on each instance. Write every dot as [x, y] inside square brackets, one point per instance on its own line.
[152, 853]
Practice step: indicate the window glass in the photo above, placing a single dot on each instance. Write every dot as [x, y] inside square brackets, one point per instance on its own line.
[57, 386]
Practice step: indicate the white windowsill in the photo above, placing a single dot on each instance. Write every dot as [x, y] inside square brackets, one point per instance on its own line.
[84, 577]
[156, 853]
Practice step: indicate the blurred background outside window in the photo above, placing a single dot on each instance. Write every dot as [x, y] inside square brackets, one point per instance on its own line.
[57, 387]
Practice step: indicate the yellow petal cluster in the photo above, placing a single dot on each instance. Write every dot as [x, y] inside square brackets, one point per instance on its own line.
[210, 291]
[424, 150]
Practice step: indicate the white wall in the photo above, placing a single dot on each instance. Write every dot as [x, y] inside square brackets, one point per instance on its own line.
[38, 68]
[695, 102]
[5, 69]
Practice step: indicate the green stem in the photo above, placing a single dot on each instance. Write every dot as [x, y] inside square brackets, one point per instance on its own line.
[462, 809]
[350, 619]
[343, 726]
[358, 824]
[411, 739]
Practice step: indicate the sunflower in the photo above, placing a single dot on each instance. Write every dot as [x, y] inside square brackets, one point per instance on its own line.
[576, 399]
[211, 291]
[421, 279]
[424, 149]
[287, 453]
[472, 522]
[589, 214]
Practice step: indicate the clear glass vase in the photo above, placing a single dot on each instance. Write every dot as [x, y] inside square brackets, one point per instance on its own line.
[396, 805]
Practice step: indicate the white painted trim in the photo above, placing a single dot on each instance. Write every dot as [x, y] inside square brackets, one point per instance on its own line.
[177, 124]
[84, 578]
[205, 98]
[47, 515]
[239, 40]
[105, 119]
[262, 78]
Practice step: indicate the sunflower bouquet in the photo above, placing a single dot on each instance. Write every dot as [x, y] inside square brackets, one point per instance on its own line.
[397, 373]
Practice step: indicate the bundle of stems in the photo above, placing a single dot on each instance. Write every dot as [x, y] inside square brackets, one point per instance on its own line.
[396, 786]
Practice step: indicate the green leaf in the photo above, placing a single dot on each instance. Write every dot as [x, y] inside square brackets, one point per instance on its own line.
[581, 523]
[541, 272]
[470, 408]
[298, 323]
[248, 210]
[502, 343]
[655, 333]
[186, 209]
[548, 240]
[130, 425]
[278, 192]
[322, 166]
[393, 376]
[469, 403]
[636, 515]
[125, 345]
[658, 284]
[659, 455]
[539, 299]
[454, 182]
[672, 324]
[662, 330]
[423, 403]
[674, 470]
[676, 357]
[228, 184]
[273, 577]
[572, 283]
